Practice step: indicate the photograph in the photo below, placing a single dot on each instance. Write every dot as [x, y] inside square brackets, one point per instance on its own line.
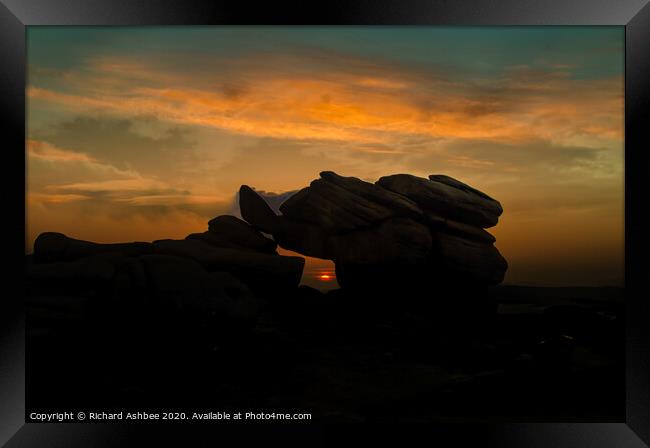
[315, 224]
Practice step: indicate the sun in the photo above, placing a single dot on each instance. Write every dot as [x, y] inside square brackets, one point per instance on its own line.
[325, 277]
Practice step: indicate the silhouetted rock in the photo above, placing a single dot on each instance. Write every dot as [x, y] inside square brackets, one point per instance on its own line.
[215, 240]
[308, 239]
[458, 184]
[451, 201]
[256, 211]
[338, 204]
[395, 240]
[53, 246]
[259, 268]
[469, 232]
[473, 260]
[184, 286]
[333, 208]
[303, 238]
[438, 223]
[373, 193]
[401, 222]
[233, 230]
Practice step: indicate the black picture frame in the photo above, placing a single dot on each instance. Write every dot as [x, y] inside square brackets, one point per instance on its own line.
[634, 15]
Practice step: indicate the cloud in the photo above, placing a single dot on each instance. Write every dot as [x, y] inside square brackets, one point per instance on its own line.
[130, 193]
[58, 176]
[118, 142]
[538, 157]
[53, 198]
[48, 164]
[330, 96]
[118, 186]
[39, 150]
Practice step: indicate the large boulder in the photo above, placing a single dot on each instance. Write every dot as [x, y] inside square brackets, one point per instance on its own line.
[396, 240]
[333, 208]
[446, 197]
[307, 239]
[232, 230]
[256, 211]
[339, 204]
[374, 193]
[458, 184]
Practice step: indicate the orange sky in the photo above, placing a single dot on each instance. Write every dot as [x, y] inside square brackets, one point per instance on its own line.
[139, 135]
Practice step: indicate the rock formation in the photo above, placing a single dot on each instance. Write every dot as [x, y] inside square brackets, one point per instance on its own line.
[214, 274]
[401, 231]
[404, 237]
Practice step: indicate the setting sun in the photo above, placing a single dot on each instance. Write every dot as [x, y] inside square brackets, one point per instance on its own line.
[325, 277]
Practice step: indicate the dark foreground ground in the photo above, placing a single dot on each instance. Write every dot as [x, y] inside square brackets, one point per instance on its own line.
[540, 354]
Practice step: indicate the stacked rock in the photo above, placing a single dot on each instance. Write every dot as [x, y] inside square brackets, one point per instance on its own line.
[402, 231]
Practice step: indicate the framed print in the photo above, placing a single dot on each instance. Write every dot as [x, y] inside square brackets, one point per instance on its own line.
[227, 217]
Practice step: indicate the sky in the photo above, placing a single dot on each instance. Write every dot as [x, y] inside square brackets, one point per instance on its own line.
[147, 133]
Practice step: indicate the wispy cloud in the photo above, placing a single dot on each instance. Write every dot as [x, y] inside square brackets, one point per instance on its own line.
[45, 151]
[100, 181]
[366, 103]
